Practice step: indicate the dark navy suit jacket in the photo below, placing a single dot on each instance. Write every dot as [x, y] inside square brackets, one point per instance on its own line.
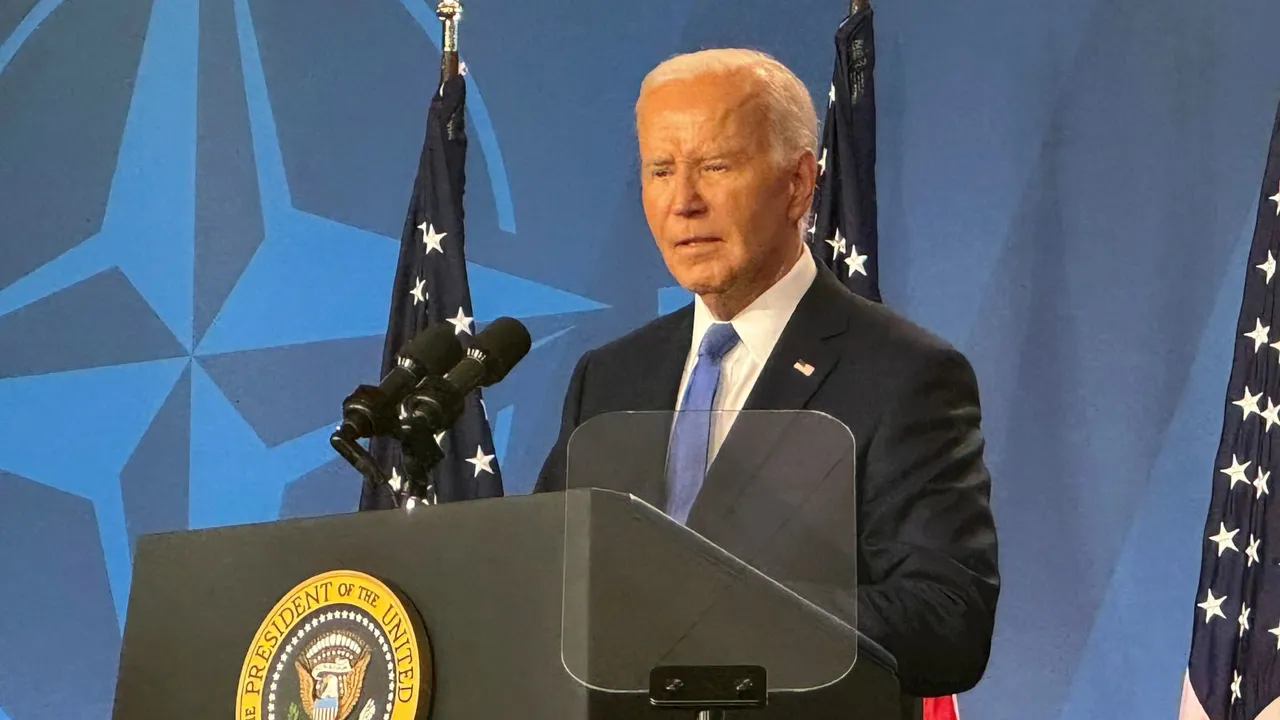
[927, 578]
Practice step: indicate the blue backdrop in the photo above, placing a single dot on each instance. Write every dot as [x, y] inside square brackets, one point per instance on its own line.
[198, 202]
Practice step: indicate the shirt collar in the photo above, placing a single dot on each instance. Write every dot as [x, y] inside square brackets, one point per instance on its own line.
[761, 323]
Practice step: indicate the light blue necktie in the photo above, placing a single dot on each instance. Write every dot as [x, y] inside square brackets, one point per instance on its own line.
[687, 456]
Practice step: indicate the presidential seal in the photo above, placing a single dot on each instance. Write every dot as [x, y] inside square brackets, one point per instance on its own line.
[339, 646]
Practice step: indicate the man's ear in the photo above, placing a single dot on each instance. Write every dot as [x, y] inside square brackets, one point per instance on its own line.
[804, 179]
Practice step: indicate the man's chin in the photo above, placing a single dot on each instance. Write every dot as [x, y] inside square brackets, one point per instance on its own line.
[703, 287]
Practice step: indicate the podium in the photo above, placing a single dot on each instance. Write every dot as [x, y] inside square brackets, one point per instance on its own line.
[558, 605]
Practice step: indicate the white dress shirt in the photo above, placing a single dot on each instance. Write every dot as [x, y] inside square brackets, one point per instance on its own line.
[759, 326]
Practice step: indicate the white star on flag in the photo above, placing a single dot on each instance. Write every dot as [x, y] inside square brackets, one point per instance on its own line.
[1259, 334]
[1225, 539]
[1268, 267]
[395, 481]
[1252, 550]
[1244, 618]
[1276, 199]
[856, 262]
[484, 408]
[1236, 471]
[1260, 483]
[462, 67]
[461, 323]
[440, 439]
[432, 238]
[1270, 414]
[1212, 606]
[831, 96]
[822, 162]
[836, 243]
[1235, 686]
[481, 461]
[1248, 403]
[417, 292]
[1276, 631]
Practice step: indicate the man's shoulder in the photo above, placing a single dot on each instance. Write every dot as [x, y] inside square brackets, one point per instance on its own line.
[636, 371]
[876, 327]
[640, 343]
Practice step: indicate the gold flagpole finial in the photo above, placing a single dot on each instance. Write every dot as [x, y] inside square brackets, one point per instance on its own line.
[450, 14]
[856, 5]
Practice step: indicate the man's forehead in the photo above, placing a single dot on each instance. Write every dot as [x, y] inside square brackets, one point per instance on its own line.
[687, 119]
[708, 94]
[686, 115]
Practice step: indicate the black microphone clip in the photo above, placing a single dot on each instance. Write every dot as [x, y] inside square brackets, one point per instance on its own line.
[370, 411]
[436, 402]
[367, 412]
[432, 406]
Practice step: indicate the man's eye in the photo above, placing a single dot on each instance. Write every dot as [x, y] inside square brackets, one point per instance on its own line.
[715, 167]
[659, 172]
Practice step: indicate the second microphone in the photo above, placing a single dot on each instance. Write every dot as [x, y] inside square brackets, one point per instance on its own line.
[436, 402]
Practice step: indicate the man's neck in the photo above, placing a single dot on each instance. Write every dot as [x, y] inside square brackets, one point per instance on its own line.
[726, 306]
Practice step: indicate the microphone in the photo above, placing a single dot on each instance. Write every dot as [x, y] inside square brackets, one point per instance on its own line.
[367, 411]
[438, 401]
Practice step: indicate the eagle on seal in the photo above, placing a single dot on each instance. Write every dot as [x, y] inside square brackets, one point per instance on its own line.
[331, 675]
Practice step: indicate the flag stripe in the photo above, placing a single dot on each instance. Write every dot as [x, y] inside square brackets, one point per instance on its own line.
[943, 708]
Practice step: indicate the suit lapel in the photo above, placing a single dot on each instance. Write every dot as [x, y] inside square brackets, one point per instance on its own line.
[663, 384]
[782, 385]
[658, 388]
[801, 360]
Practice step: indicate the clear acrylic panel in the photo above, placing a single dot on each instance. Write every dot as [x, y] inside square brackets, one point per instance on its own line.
[763, 571]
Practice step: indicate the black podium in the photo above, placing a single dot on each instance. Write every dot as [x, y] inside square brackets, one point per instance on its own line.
[553, 606]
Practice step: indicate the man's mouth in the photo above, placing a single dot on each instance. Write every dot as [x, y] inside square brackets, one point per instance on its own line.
[697, 240]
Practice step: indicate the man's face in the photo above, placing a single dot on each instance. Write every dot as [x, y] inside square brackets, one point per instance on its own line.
[724, 213]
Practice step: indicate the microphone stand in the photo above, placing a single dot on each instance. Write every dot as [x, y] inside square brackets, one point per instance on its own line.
[360, 459]
[419, 453]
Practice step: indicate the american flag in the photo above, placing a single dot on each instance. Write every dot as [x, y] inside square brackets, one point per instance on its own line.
[843, 234]
[1233, 672]
[431, 288]
[843, 231]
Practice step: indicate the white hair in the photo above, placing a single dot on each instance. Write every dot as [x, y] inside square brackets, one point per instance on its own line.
[792, 118]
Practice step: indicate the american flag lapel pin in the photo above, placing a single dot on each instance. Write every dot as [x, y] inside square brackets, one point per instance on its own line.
[805, 368]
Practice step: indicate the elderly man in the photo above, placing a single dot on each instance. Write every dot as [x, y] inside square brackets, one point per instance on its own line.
[726, 143]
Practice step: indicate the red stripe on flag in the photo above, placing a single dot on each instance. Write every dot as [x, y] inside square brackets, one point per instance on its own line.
[941, 708]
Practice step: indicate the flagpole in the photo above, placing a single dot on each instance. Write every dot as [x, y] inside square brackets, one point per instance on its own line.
[450, 14]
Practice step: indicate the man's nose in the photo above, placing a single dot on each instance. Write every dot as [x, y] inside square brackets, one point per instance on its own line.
[689, 201]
